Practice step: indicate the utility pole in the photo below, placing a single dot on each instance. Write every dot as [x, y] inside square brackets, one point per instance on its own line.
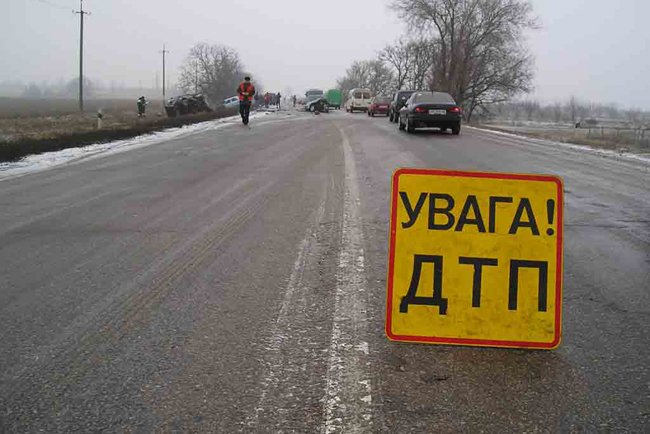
[81, 13]
[196, 77]
[163, 77]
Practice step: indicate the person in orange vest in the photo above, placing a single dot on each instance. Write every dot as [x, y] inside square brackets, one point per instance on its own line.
[266, 100]
[246, 90]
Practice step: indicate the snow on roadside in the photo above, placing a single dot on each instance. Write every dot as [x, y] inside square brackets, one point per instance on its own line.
[48, 160]
[541, 142]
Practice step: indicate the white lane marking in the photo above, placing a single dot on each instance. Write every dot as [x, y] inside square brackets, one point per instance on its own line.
[273, 347]
[348, 397]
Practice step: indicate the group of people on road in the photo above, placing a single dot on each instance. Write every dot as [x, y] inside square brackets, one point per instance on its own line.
[272, 99]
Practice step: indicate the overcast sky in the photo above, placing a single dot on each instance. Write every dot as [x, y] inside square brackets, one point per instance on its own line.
[594, 49]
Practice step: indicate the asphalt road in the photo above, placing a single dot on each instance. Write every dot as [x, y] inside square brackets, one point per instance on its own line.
[234, 280]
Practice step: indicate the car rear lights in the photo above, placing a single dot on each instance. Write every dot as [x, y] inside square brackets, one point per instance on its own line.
[454, 110]
[420, 110]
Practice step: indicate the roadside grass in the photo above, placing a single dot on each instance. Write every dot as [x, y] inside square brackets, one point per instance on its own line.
[26, 131]
[13, 108]
[623, 141]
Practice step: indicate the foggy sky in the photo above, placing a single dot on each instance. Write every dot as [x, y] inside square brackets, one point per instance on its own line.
[593, 49]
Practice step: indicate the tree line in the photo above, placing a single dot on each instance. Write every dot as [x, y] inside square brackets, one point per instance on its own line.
[572, 110]
[473, 49]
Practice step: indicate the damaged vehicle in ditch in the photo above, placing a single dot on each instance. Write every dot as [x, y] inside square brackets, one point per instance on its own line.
[186, 104]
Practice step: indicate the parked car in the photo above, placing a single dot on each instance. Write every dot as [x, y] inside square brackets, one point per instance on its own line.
[186, 104]
[379, 105]
[430, 109]
[333, 97]
[398, 101]
[358, 100]
[233, 101]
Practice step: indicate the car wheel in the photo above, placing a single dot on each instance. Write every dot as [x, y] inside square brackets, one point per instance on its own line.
[312, 108]
[409, 126]
[443, 130]
[390, 117]
[399, 123]
[456, 130]
[373, 114]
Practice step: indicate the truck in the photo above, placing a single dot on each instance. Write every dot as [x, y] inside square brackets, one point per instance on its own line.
[315, 101]
[333, 97]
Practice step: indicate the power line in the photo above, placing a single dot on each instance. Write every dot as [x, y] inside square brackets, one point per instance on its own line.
[55, 5]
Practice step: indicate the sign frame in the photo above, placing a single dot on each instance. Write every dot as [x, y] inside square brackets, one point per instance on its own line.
[469, 341]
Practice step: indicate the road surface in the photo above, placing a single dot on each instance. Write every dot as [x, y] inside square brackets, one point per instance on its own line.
[234, 280]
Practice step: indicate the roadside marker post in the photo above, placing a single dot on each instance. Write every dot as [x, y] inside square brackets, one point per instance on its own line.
[475, 259]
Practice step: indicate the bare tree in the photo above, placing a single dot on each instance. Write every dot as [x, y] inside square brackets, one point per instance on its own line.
[214, 70]
[370, 74]
[380, 78]
[572, 108]
[423, 55]
[530, 108]
[398, 56]
[558, 112]
[633, 115]
[479, 57]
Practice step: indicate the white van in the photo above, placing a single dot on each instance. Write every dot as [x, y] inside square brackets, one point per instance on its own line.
[358, 99]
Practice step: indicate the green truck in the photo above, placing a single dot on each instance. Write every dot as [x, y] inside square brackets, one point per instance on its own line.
[333, 97]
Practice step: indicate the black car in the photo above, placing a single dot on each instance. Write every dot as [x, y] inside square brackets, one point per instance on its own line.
[186, 104]
[398, 101]
[430, 110]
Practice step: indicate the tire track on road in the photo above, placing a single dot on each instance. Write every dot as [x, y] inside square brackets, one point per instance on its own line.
[348, 394]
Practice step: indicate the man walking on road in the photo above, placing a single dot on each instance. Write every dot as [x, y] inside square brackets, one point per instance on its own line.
[246, 90]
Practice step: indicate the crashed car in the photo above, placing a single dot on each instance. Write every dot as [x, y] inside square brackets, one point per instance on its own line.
[315, 101]
[186, 104]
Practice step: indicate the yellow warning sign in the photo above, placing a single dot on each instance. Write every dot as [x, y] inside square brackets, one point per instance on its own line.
[475, 259]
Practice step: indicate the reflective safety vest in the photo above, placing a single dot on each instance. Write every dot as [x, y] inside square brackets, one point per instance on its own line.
[246, 88]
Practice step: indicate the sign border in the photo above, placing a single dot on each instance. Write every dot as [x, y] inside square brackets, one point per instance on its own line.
[466, 341]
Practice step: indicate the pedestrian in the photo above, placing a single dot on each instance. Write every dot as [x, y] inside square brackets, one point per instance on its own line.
[246, 91]
[266, 100]
[294, 101]
[279, 98]
[142, 106]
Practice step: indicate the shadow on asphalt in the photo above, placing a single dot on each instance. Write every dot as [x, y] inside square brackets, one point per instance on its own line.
[432, 132]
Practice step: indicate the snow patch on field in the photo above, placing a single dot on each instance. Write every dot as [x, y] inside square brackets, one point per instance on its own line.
[602, 152]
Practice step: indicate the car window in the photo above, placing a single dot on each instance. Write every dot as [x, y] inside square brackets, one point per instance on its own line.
[358, 95]
[382, 100]
[366, 95]
[435, 98]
